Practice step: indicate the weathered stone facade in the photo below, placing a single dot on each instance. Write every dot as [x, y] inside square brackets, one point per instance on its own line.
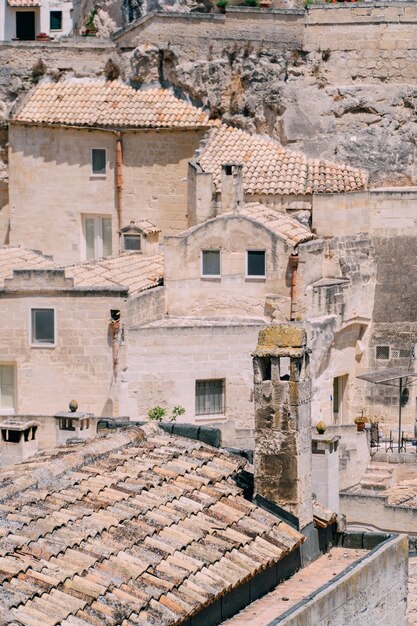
[282, 398]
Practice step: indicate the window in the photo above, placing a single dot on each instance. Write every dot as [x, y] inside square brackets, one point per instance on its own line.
[43, 326]
[256, 263]
[131, 242]
[55, 20]
[209, 397]
[382, 353]
[210, 261]
[97, 236]
[98, 161]
[339, 399]
[7, 393]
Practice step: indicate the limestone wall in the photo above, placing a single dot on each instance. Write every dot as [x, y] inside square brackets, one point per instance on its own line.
[233, 293]
[166, 358]
[145, 307]
[52, 185]
[374, 512]
[79, 366]
[374, 591]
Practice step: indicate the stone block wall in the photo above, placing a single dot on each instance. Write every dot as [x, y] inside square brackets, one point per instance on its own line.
[371, 593]
[166, 358]
[78, 367]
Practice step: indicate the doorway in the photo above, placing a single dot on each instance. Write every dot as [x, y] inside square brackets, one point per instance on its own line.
[339, 399]
[25, 25]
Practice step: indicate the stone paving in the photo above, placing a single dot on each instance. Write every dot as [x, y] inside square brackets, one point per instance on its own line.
[303, 583]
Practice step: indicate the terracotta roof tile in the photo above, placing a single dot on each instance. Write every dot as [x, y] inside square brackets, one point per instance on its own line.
[130, 270]
[270, 169]
[90, 103]
[24, 3]
[156, 556]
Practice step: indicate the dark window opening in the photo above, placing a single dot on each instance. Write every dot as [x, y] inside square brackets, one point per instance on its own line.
[211, 263]
[66, 424]
[132, 242]
[228, 170]
[98, 160]
[256, 262]
[382, 353]
[26, 434]
[34, 429]
[209, 397]
[55, 20]
[43, 326]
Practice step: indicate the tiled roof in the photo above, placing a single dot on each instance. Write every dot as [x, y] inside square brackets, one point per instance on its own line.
[286, 227]
[138, 527]
[18, 258]
[270, 169]
[24, 3]
[87, 102]
[134, 271]
[147, 227]
[130, 269]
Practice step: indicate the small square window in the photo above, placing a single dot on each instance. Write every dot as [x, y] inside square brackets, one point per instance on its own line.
[131, 242]
[382, 353]
[98, 161]
[256, 263]
[55, 20]
[43, 326]
[209, 397]
[211, 262]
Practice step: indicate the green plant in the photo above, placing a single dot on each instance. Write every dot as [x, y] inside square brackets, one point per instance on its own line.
[307, 3]
[176, 412]
[157, 413]
[90, 20]
[222, 4]
[250, 3]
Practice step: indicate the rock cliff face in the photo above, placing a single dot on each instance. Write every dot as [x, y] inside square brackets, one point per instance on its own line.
[303, 98]
[337, 82]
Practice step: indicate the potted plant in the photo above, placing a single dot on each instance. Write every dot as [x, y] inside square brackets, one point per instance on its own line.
[42, 37]
[360, 422]
[90, 28]
[221, 5]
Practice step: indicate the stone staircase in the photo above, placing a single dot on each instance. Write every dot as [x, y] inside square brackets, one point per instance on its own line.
[378, 477]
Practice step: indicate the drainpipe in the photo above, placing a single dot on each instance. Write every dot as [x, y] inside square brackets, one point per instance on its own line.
[293, 261]
[119, 177]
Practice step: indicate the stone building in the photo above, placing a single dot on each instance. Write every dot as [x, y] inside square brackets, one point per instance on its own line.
[88, 157]
[272, 175]
[64, 332]
[24, 19]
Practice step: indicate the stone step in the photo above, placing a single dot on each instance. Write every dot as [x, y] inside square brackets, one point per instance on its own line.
[377, 476]
[364, 484]
[374, 465]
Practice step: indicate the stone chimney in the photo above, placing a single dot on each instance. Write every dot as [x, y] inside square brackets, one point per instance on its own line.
[232, 196]
[73, 424]
[282, 420]
[18, 441]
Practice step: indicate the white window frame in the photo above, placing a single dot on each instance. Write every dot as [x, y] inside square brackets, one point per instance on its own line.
[98, 235]
[5, 410]
[254, 276]
[38, 344]
[215, 276]
[96, 174]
